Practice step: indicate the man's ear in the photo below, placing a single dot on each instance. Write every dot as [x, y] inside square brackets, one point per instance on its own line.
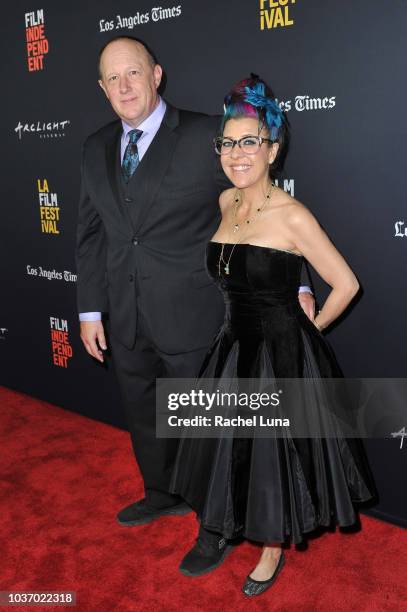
[103, 87]
[158, 73]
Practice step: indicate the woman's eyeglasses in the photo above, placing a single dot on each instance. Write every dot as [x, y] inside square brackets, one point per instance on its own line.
[248, 144]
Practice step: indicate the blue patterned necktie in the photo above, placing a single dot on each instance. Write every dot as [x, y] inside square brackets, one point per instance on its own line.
[130, 157]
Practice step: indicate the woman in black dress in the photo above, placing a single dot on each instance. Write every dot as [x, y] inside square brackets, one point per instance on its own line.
[271, 490]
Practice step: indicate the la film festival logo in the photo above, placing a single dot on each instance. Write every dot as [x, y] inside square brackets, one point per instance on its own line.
[275, 14]
[157, 13]
[37, 43]
[61, 347]
[49, 208]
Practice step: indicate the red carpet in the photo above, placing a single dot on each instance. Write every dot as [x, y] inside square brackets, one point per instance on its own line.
[64, 477]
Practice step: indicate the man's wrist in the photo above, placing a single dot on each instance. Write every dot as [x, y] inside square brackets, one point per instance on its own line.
[305, 289]
[90, 316]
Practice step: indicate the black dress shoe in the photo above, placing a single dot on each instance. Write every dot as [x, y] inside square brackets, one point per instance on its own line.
[141, 513]
[257, 587]
[208, 553]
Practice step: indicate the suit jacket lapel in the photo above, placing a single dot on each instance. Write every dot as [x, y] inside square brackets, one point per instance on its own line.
[152, 168]
[111, 160]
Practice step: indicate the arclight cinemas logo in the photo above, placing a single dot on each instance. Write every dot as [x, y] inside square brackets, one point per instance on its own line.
[37, 43]
[400, 229]
[50, 129]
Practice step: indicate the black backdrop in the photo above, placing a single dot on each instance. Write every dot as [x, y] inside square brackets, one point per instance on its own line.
[339, 69]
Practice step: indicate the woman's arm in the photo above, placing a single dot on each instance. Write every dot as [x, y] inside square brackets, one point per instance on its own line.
[311, 240]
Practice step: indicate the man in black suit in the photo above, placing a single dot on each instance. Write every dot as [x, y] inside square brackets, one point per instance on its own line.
[148, 206]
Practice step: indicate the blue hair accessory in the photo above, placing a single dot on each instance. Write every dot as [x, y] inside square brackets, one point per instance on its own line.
[273, 114]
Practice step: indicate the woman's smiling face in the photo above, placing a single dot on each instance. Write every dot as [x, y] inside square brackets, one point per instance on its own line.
[243, 169]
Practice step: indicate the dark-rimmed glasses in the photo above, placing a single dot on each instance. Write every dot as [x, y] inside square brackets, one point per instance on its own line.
[248, 144]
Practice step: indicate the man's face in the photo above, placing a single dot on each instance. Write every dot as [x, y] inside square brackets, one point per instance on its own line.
[129, 80]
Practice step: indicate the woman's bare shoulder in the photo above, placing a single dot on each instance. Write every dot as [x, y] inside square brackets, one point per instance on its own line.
[291, 211]
[287, 203]
[298, 214]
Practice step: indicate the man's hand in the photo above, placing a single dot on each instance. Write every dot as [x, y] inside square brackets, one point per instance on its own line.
[307, 302]
[92, 335]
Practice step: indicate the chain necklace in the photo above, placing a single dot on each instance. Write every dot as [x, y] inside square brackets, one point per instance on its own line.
[238, 202]
[222, 261]
[236, 228]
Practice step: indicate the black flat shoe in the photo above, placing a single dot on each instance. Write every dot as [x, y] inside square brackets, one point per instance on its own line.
[209, 551]
[257, 587]
[140, 513]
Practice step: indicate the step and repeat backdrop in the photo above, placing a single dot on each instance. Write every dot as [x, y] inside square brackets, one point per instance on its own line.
[338, 70]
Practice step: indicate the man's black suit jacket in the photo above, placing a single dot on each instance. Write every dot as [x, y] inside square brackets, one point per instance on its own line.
[151, 251]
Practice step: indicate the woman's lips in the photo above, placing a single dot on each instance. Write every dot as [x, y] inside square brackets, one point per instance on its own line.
[240, 167]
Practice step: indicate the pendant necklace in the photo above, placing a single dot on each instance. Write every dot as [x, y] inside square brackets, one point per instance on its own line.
[238, 202]
[225, 263]
[236, 228]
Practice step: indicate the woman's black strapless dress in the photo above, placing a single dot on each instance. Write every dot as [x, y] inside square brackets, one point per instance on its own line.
[269, 489]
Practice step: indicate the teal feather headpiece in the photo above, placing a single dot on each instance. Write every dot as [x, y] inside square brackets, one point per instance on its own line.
[273, 114]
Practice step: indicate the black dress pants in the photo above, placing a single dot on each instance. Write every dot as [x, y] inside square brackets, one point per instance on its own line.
[137, 370]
